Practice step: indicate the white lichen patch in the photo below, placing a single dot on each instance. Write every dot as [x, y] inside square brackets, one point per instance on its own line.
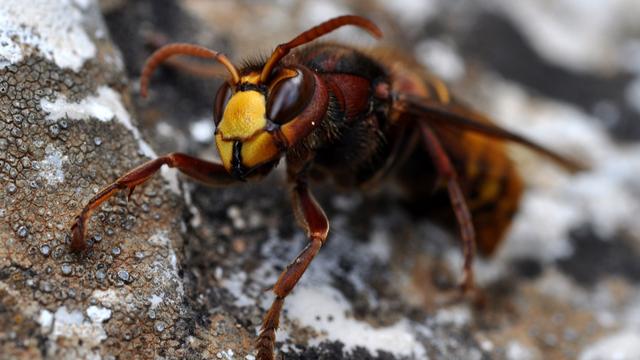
[86, 331]
[106, 105]
[621, 346]
[164, 274]
[155, 300]
[109, 297]
[50, 168]
[45, 319]
[118, 298]
[98, 314]
[165, 287]
[66, 322]
[53, 29]
[72, 324]
[324, 309]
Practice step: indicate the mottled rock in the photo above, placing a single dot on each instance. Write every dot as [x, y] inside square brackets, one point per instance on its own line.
[176, 276]
[63, 88]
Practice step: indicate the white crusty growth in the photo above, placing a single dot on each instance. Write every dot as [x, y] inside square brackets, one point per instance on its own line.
[52, 28]
[106, 105]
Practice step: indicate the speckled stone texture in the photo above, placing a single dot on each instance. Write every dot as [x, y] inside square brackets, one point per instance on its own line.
[123, 297]
[183, 271]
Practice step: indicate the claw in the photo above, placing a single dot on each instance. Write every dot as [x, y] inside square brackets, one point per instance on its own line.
[77, 235]
[469, 292]
[468, 285]
[130, 192]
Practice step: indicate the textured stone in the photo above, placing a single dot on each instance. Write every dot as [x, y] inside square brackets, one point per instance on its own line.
[184, 276]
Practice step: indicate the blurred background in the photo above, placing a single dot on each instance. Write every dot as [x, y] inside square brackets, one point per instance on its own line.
[565, 282]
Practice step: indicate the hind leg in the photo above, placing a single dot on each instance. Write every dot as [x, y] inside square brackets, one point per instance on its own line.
[458, 202]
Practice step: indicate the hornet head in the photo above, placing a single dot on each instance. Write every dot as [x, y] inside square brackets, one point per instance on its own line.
[259, 114]
[256, 122]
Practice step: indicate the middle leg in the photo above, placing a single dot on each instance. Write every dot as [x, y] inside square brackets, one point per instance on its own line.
[313, 219]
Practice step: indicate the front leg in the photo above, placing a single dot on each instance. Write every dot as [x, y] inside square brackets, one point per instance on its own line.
[313, 219]
[204, 171]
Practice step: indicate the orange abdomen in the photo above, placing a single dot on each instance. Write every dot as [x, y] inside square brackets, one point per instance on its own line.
[491, 183]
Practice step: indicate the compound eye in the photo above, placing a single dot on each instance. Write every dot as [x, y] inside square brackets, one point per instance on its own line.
[288, 97]
[222, 98]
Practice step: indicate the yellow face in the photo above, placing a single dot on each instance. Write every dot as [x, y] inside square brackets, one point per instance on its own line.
[256, 122]
[243, 116]
[241, 136]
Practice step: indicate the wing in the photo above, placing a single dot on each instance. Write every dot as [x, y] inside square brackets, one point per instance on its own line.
[454, 117]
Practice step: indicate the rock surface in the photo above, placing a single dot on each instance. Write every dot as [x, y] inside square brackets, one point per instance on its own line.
[180, 270]
[66, 131]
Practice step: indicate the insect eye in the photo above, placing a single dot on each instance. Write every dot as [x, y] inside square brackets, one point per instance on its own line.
[222, 98]
[288, 97]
